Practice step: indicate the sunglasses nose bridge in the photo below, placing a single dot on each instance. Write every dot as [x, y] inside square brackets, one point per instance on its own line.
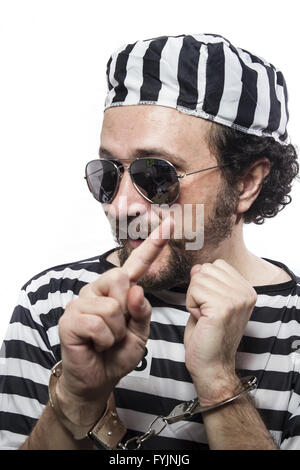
[127, 167]
[121, 167]
[127, 188]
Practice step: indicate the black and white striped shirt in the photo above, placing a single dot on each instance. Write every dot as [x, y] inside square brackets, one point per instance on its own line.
[270, 350]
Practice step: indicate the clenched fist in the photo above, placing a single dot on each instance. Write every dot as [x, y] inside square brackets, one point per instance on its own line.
[220, 302]
[104, 331]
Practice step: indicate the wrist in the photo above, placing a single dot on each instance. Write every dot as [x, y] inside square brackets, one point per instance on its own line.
[76, 414]
[78, 410]
[216, 388]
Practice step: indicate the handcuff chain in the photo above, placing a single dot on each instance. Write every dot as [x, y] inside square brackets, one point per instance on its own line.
[144, 437]
[175, 416]
[184, 411]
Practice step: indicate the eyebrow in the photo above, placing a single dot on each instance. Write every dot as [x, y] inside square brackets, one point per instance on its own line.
[146, 152]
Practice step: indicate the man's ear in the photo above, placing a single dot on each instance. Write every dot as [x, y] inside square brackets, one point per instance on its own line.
[250, 186]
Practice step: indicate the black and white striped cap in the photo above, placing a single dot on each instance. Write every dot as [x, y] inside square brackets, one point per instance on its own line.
[202, 75]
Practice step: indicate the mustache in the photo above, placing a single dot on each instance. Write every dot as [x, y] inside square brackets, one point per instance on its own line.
[187, 227]
[134, 227]
[143, 229]
[139, 224]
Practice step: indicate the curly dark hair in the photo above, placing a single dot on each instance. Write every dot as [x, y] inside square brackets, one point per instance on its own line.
[241, 150]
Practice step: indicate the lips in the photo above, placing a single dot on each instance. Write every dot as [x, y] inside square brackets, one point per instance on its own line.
[135, 243]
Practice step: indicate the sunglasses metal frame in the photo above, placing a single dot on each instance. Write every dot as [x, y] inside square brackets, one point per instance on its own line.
[120, 175]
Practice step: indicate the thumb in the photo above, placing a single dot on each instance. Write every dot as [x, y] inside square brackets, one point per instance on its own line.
[140, 311]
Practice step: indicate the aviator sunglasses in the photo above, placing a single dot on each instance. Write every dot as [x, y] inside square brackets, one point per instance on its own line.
[155, 179]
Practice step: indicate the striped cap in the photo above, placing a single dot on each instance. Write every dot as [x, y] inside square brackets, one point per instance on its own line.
[202, 75]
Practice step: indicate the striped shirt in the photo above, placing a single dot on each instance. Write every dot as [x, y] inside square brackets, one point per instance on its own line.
[270, 350]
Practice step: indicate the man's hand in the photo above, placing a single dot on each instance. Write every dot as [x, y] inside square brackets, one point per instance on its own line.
[104, 331]
[220, 302]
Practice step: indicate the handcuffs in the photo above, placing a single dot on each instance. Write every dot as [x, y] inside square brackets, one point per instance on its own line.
[109, 431]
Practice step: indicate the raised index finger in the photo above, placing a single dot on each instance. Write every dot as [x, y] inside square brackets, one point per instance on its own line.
[143, 256]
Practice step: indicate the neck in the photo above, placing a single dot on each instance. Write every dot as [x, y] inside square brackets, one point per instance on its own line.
[254, 269]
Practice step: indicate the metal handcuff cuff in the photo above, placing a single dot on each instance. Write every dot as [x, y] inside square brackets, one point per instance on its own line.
[109, 431]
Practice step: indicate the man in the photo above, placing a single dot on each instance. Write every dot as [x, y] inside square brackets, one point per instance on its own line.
[152, 323]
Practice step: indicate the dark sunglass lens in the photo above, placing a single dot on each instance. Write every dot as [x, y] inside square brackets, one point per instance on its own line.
[156, 180]
[102, 179]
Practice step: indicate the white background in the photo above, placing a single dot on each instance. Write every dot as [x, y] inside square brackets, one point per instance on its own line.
[53, 57]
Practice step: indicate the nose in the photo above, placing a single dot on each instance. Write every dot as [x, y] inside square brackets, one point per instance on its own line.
[128, 201]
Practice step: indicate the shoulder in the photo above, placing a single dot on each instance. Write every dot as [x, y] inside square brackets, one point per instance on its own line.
[68, 275]
[279, 302]
[45, 296]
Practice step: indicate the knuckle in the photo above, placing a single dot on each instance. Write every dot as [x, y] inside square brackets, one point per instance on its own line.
[207, 268]
[253, 296]
[72, 305]
[95, 324]
[219, 262]
[113, 307]
[64, 322]
[119, 275]
[104, 306]
[61, 321]
[99, 331]
[84, 290]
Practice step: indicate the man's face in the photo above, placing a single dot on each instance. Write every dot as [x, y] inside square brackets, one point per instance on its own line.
[182, 140]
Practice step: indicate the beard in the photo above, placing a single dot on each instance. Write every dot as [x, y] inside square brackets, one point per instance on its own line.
[176, 270]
